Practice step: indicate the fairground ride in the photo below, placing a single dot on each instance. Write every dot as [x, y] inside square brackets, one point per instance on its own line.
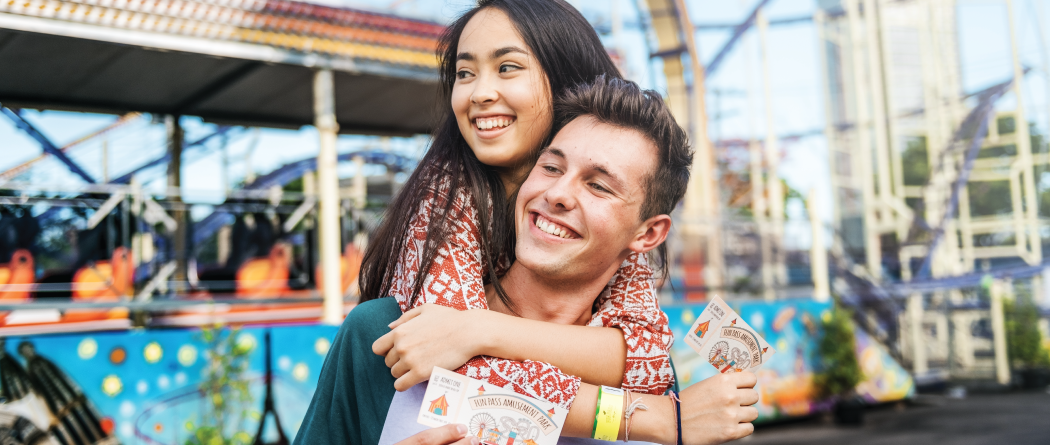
[236, 64]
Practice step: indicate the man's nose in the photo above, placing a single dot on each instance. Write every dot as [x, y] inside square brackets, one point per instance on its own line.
[562, 194]
[485, 90]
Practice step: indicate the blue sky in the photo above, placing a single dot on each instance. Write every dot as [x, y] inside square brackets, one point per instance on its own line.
[794, 65]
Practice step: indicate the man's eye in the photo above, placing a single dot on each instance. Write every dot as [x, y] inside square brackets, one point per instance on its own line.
[599, 188]
[506, 68]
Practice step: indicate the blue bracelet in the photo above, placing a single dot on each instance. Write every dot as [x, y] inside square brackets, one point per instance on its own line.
[677, 413]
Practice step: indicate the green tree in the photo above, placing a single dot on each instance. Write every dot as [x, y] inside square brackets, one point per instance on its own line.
[1024, 342]
[224, 389]
[838, 371]
[916, 162]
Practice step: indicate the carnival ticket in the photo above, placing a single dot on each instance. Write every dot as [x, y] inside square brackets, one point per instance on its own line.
[494, 415]
[721, 336]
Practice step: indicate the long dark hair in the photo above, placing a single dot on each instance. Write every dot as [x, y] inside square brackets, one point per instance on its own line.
[570, 53]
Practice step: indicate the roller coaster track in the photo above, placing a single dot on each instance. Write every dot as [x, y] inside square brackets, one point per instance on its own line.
[15, 115]
[25, 166]
[289, 172]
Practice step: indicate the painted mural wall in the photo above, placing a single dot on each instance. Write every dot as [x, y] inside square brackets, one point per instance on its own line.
[784, 383]
[194, 386]
[145, 386]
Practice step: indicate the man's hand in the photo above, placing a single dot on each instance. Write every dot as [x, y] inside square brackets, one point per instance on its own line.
[446, 435]
[429, 336]
[718, 409]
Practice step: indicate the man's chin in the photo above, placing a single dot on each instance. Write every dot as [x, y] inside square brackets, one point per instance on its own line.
[548, 268]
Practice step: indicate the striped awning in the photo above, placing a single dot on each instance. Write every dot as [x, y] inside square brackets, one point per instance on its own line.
[288, 25]
[232, 61]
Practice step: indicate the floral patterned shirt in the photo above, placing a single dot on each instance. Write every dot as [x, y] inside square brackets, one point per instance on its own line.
[455, 280]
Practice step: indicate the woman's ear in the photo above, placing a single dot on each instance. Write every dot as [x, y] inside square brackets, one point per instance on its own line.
[651, 233]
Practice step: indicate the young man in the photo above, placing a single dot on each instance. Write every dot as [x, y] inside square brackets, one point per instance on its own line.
[603, 189]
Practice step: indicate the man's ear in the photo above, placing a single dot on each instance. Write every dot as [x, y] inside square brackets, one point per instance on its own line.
[651, 233]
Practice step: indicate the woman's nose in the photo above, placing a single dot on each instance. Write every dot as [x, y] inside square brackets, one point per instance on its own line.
[484, 90]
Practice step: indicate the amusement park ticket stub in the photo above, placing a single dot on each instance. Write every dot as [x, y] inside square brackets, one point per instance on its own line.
[721, 336]
[494, 415]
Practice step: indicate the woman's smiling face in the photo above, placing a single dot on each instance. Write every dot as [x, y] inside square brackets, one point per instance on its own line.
[501, 97]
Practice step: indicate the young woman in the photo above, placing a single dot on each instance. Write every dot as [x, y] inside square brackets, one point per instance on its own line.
[448, 233]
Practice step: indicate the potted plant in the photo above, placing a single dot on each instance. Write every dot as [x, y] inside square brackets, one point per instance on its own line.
[838, 372]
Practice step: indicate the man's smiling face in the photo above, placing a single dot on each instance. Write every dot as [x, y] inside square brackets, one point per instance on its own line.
[577, 214]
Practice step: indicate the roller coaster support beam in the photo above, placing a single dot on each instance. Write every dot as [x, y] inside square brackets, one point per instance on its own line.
[685, 97]
[775, 187]
[176, 142]
[705, 170]
[1002, 365]
[738, 33]
[818, 252]
[221, 130]
[328, 186]
[1033, 251]
[45, 143]
[19, 169]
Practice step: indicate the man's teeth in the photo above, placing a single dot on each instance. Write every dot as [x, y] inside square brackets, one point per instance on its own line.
[493, 122]
[551, 228]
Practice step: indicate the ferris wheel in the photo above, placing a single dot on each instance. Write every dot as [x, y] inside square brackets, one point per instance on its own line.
[481, 422]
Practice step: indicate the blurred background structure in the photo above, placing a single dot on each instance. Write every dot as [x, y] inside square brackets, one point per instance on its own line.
[181, 178]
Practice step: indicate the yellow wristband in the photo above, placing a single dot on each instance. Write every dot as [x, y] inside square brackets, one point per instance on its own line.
[609, 413]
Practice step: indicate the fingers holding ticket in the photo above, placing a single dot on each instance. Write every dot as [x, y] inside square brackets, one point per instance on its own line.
[728, 343]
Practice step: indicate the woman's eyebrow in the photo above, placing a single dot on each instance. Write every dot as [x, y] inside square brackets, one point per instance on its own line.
[465, 56]
[507, 50]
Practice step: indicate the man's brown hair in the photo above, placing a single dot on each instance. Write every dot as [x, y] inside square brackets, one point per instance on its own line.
[622, 103]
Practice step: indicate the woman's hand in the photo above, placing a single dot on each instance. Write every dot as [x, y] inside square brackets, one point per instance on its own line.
[719, 409]
[446, 435]
[429, 336]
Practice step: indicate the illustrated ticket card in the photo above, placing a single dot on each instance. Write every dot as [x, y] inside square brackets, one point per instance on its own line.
[721, 336]
[494, 415]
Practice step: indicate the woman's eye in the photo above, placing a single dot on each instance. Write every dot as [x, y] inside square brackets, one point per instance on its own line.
[550, 169]
[506, 68]
[463, 74]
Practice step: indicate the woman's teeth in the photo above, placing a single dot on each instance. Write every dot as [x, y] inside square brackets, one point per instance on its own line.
[493, 122]
[551, 228]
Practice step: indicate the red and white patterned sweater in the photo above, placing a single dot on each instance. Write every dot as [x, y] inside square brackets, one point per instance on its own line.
[455, 280]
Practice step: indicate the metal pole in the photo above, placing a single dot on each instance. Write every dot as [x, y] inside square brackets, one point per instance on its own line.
[831, 136]
[773, 183]
[174, 193]
[872, 247]
[1043, 291]
[1002, 367]
[360, 201]
[919, 365]
[1024, 150]
[105, 160]
[879, 112]
[1040, 17]
[328, 186]
[818, 253]
[937, 121]
[225, 166]
[705, 171]
[360, 183]
[758, 193]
